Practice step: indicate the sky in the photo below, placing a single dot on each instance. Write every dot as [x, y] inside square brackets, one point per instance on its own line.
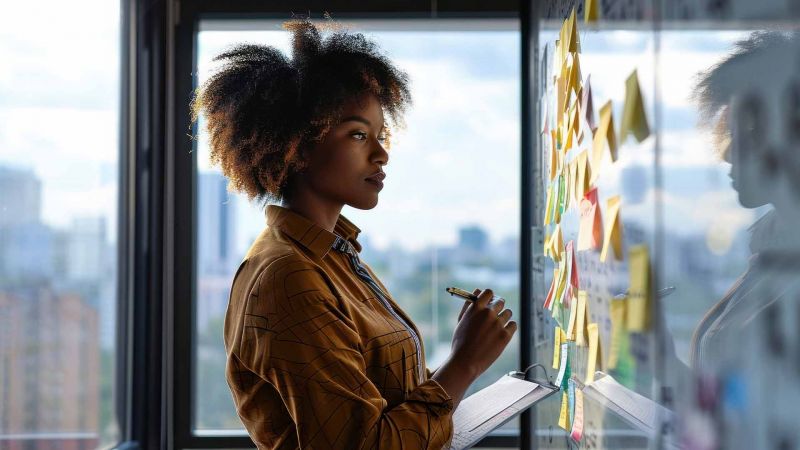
[456, 164]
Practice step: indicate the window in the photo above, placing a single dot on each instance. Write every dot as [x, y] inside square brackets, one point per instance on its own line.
[59, 164]
[461, 143]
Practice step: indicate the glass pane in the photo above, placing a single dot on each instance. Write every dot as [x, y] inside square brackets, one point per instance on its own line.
[448, 216]
[59, 135]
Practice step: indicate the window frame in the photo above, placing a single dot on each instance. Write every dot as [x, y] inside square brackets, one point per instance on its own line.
[174, 317]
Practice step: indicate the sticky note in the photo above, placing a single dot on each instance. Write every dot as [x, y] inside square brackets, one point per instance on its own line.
[545, 108]
[556, 347]
[639, 290]
[571, 400]
[634, 119]
[557, 244]
[618, 331]
[591, 12]
[548, 209]
[580, 321]
[569, 264]
[594, 344]
[582, 181]
[613, 232]
[587, 105]
[562, 416]
[574, 80]
[548, 301]
[604, 134]
[571, 36]
[573, 316]
[576, 195]
[589, 232]
[577, 422]
[562, 368]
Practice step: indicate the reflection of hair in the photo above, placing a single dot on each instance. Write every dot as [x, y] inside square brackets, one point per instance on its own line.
[737, 71]
[262, 109]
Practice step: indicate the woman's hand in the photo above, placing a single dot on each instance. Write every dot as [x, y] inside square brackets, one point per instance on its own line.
[484, 330]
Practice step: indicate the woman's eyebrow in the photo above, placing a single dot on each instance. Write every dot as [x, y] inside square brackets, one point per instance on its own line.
[358, 119]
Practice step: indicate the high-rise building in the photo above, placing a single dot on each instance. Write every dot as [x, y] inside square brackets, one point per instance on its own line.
[216, 222]
[20, 197]
[473, 238]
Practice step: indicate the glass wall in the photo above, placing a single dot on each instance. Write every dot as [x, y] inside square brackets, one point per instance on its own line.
[690, 141]
[59, 165]
[448, 216]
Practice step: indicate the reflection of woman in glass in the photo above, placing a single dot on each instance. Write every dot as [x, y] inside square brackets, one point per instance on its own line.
[319, 355]
[753, 96]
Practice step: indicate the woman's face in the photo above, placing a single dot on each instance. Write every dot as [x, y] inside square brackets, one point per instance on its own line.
[347, 166]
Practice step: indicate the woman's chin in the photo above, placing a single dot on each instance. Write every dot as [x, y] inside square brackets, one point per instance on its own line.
[365, 203]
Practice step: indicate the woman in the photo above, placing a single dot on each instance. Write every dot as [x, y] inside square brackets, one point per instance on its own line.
[319, 355]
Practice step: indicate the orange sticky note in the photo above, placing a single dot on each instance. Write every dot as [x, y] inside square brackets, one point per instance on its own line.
[594, 349]
[639, 291]
[634, 119]
[602, 136]
[589, 233]
[613, 234]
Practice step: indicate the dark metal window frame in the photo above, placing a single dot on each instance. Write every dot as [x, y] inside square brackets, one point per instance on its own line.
[158, 202]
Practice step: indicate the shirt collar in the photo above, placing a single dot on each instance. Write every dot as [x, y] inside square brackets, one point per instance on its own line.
[308, 233]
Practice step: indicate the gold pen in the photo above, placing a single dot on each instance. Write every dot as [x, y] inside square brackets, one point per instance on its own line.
[466, 294]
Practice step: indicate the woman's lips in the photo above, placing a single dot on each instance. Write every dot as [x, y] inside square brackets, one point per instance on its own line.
[375, 182]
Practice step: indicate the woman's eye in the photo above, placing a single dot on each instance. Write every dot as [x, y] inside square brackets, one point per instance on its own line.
[360, 135]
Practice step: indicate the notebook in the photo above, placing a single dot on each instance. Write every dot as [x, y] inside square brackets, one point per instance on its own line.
[492, 406]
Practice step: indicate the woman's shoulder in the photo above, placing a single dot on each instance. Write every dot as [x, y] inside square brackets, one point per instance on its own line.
[275, 261]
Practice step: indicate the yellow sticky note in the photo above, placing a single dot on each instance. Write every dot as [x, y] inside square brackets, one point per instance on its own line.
[613, 234]
[562, 280]
[594, 344]
[617, 309]
[582, 179]
[573, 316]
[548, 210]
[634, 118]
[572, 33]
[639, 290]
[557, 244]
[574, 80]
[563, 416]
[591, 11]
[602, 136]
[556, 347]
[573, 176]
[580, 322]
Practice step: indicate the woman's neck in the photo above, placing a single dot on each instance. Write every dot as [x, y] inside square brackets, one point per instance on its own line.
[319, 210]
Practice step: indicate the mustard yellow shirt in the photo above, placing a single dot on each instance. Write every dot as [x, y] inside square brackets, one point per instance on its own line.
[316, 360]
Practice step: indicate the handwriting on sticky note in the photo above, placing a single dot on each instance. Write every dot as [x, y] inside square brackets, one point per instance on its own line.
[577, 423]
[564, 362]
[634, 119]
[639, 289]
[594, 346]
[613, 231]
[562, 416]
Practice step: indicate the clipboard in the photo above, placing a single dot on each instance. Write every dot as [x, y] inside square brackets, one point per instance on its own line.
[493, 406]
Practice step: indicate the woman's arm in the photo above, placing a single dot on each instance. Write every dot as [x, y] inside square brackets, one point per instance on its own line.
[310, 351]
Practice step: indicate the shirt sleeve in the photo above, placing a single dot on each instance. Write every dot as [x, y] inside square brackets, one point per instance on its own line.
[302, 342]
